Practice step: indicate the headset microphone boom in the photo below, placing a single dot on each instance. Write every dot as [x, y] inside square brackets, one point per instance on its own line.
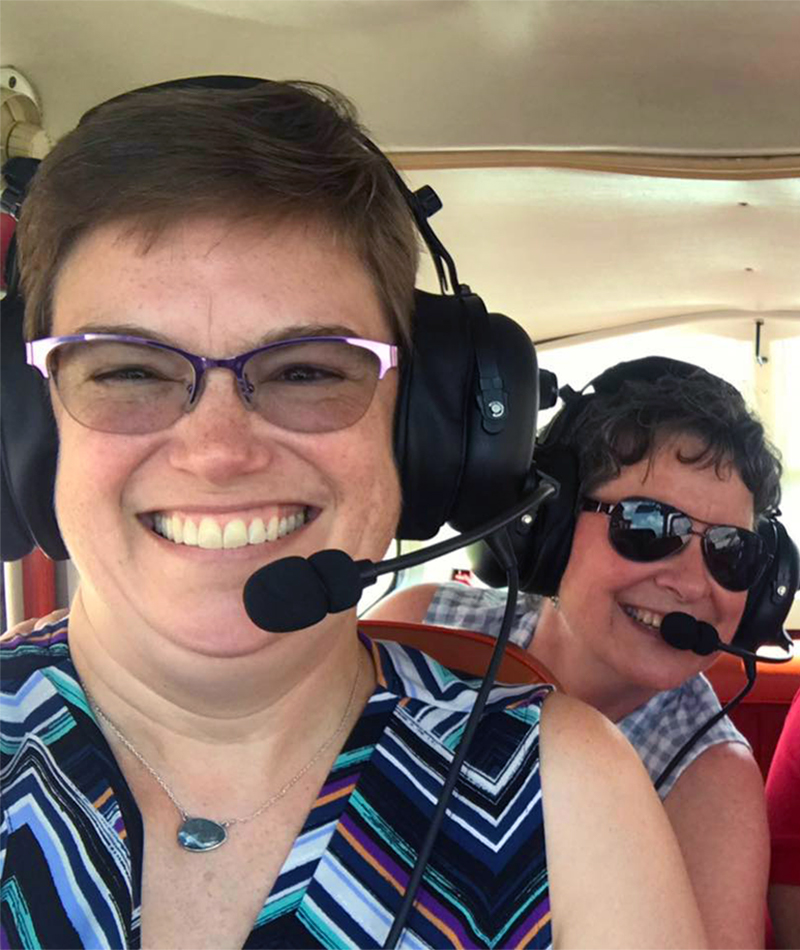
[294, 592]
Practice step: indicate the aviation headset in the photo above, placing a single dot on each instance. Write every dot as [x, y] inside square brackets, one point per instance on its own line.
[543, 547]
[465, 420]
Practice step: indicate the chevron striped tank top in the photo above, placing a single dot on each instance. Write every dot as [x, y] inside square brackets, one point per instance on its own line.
[72, 834]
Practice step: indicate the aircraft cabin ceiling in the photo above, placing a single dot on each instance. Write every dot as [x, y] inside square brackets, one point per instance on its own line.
[494, 103]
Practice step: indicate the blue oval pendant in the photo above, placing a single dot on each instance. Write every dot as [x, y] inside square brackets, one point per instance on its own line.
[201, 834]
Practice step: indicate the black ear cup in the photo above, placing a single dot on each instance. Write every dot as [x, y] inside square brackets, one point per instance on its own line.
[16, 539]
[543, 546]
[497, 448]
[29, 449]
[28, 441]
[466, 415]
[769, 602]
[553, 529]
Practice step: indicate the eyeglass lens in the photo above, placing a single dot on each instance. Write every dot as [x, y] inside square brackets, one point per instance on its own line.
[129, 388]
[644, 530]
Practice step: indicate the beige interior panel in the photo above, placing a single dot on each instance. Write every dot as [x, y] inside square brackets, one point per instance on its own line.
[704, 75]
[565, 251]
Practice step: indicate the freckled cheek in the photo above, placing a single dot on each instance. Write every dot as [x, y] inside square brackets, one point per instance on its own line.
[92, 471]
[380, 428]
[373, 489]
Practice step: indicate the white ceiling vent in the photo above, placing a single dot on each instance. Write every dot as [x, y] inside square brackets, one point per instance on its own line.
[21, 119]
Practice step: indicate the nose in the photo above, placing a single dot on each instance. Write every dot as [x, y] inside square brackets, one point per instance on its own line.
[220, 439]
[685, 574]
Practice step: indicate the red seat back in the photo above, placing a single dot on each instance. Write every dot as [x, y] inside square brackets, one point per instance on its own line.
[761, 713]
[461, 650]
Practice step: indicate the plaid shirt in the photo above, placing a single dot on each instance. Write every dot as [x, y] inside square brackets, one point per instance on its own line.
[657, 729]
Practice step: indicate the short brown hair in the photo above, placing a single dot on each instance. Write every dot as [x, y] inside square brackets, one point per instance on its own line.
[632, 423]
[274, 150]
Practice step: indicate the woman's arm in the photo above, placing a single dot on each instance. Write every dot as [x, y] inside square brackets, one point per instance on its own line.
[718, 813]
[34, 624]
[410, 605]
[616, 874]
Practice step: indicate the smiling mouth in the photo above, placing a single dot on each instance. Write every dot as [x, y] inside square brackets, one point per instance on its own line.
[647, 618]
[217, 532]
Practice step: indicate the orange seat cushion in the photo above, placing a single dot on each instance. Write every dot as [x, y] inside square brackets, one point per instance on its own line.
[461, 650]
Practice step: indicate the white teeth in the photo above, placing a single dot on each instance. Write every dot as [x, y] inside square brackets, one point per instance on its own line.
[212, 535]
[256, 533]
[647, 617]
[209, 534]
[235, 534]
[189, 532]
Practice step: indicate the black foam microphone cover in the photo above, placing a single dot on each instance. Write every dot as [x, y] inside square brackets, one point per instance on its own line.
[341, 578]
[685, 632]
[286, 595]
[707, 639]
[679, 630]
[296, 592]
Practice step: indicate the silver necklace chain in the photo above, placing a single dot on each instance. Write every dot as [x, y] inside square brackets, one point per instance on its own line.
[273, 798]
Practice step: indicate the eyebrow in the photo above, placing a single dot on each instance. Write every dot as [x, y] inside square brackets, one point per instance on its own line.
[297, 331]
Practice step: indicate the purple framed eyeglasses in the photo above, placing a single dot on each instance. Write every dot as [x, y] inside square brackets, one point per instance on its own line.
[131, 386]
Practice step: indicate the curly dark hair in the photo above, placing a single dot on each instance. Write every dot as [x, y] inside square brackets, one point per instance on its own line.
[621, 428]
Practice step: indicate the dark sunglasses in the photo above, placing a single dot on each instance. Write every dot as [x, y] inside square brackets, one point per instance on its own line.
[643, 530]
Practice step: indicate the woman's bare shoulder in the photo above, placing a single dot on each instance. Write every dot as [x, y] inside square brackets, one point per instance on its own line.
[718, 812]
[410, 604]
[616, 874]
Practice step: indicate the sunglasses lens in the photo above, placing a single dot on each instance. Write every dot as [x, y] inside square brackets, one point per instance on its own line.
[644, 530]
[125, 388]
[639, 530]
[735, 557]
